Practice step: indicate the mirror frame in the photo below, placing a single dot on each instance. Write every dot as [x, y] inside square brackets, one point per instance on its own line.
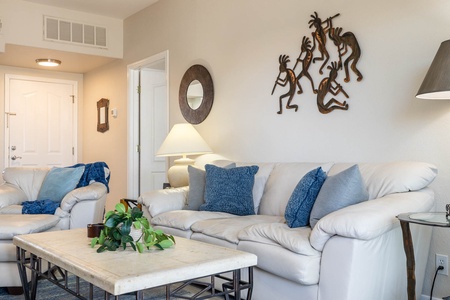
[200, 73]
[102, 116]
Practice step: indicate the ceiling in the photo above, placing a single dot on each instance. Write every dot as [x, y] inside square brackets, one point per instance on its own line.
[22, 56]
[119, 9]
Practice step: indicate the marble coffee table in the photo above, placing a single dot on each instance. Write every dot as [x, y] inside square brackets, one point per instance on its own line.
[126, 271]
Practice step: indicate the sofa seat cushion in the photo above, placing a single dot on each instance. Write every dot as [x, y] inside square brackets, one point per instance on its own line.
[183, 219]
[228, 228]
[281, 183]
[12, 225]
[275, 259]
[7, 251]
[292, 239]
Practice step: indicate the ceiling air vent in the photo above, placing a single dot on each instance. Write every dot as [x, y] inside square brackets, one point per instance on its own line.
[74, 32]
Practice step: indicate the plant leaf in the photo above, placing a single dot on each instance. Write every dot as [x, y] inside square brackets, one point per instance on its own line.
[165, 243]
[120, 208]
[140, 247]
[136, 213]
[94, 242]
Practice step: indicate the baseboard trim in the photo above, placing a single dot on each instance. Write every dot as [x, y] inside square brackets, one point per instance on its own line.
[427, 297]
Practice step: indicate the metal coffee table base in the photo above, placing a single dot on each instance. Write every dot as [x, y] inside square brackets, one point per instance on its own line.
[231, 286]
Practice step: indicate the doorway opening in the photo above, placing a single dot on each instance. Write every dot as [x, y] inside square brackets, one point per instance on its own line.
[148, 123]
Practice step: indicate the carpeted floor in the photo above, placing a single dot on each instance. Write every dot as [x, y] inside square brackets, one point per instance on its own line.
[48, 291]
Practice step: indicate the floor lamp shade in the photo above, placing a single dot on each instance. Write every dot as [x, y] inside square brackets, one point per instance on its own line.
[436, 84]
[182, 140]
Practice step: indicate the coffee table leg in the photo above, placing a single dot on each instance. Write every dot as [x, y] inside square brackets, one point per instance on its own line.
[237, 284]
[20, 255]
[250, 283]
[410, 261]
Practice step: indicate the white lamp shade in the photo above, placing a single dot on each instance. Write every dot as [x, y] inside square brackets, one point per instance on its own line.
[436, 84]
[183, 140]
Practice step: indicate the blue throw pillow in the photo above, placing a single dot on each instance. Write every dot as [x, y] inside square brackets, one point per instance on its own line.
[339, 191]
[230, 190]
[58, 182]
[303, 197]
[197, 182]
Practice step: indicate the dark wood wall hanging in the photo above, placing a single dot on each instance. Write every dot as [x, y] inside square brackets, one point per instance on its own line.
[102, 115]
[327, 41]
[198, 83]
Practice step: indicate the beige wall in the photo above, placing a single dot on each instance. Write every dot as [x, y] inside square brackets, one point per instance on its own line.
[239, 41]
[109, 82]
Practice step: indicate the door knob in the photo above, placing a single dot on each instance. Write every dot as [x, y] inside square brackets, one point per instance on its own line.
[16, 157]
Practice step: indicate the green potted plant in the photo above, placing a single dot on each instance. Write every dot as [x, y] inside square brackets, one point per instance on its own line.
[119, 223]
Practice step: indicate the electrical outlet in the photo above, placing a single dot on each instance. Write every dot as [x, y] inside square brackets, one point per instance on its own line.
[442, 260]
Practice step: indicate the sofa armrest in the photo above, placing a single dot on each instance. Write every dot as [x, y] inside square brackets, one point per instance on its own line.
[160, 201]
[370, 219]
[10, 194]
[92, 192]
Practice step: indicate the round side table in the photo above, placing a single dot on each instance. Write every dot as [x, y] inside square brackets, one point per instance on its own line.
[428, 219]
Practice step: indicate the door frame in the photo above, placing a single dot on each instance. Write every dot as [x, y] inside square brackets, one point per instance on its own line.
[74, 83]
[133, 118]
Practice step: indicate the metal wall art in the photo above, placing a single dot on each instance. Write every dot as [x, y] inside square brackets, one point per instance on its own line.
[344, 51]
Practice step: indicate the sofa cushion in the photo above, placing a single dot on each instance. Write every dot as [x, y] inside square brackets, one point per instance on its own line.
[260, 181]
[338, 191]
[293, 239]
[262, 240]
[228, 228]
[302, 199]
[281, 183]
[229, 190]
[183, 219]
[28, 179]
[11, 195]
[396, 177]
[58, 182]
[13, 225]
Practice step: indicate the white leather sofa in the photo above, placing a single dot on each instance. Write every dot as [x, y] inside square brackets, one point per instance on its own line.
[353, 253]
[78, 208]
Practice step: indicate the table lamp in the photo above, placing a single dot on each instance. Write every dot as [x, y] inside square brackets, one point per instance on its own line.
[436, 85]
[182, 140]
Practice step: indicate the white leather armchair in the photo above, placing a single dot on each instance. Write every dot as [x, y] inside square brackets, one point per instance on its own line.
[81, 206]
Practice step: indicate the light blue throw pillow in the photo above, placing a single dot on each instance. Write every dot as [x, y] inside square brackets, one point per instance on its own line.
[58, 182]
[303, 197]
[338, 191]
[230, 190]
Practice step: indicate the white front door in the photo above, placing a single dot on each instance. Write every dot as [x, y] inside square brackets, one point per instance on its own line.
[40, 123]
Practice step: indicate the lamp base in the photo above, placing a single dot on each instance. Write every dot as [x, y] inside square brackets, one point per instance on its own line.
[178, 174]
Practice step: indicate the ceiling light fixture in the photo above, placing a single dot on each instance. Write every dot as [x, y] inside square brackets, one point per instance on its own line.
[48, 62]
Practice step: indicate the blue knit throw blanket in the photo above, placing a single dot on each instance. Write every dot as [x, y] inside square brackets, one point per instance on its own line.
[39, 207]
[93, 172]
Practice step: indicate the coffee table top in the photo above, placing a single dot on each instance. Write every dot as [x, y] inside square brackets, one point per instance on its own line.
[125, 271]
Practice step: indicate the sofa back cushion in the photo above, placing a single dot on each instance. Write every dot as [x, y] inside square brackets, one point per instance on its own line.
[281, 183]
[28, 179]
[382, 179]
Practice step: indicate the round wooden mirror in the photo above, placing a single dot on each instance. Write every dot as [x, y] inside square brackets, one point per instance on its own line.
[196, 94]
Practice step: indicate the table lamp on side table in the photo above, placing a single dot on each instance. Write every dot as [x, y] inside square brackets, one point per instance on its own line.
[182, 140]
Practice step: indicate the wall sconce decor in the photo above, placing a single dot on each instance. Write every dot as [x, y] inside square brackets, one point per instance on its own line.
[344, 53]
[102, 115]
